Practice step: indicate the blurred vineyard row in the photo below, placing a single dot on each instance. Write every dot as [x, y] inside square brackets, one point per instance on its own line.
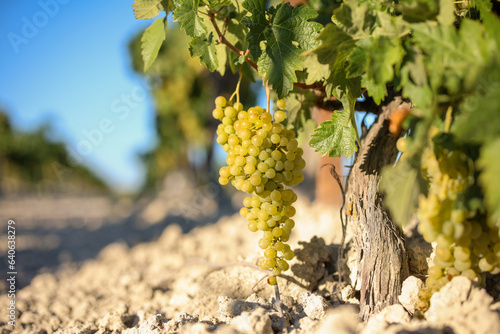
[30, 162]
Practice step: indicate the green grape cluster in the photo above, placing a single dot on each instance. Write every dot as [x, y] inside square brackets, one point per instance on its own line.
[263, 160]
[467, 243]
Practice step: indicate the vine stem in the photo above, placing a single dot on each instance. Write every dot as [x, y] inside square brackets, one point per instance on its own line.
[340, 255]
[448, 119]
[224, 41]
[268, 96]
[277, 304]
[237, 91]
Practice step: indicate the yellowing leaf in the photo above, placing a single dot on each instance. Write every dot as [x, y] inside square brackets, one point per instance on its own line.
[147, 9]
[152, 40]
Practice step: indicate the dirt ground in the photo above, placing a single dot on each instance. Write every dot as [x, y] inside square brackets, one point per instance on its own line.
[180, 264]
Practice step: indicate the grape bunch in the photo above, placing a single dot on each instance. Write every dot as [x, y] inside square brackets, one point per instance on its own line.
[467, 243]
[263, 160]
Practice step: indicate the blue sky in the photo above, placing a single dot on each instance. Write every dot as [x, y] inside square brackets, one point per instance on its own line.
[66, 63]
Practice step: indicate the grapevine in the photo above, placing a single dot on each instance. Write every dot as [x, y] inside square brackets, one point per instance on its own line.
[433, 55]
[263, 160]
[466, 242]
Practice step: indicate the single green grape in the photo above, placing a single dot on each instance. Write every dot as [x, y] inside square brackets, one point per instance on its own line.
[402, 144]
[218, 113]
[281, 104]
[279, 116]
[220, 101]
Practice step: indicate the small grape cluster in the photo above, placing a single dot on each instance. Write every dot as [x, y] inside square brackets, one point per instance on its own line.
[263, 159]
[462, 7]
[467, 243]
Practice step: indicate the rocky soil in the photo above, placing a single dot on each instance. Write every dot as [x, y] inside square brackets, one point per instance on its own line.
[204, 280]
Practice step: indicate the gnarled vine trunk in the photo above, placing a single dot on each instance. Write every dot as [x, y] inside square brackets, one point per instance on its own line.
[379, 244]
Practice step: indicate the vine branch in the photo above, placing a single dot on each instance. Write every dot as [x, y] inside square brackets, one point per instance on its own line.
[224, 41]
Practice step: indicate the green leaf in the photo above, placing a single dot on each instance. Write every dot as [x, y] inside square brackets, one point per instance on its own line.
[257, 23]
[334, 50]
[421, 96]
[186, 13]
[375, 90]
[335, 136]
[239, 60]
[402, 185]
[418, 10]
[216, 3]
[315, 70]
[334, 40]
[357, 63]
[492, 26]
[151, 40]
[355, 19]
[147, 9]
[279, 68]
[446, 12]
[479, 119]
[490, 165]
[281, 57]
[205, 49]
[298, 108]
[484, 6]
[453, 58]
[220, 51]
[382, 55]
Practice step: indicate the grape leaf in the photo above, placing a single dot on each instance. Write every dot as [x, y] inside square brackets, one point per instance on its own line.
[335, 136]
[204, 48]
[451, 55]
[489, 179]
[446, 14]
[402, 185]
[478, 120]
[381, 57]
[418, 10]
[484, 6]
[216, 3]
[186, 13]
[333, 41]
[148, 9]
[279, 68]
[357, 63]
[315, 70]
[281, 57]
[347, 90]
[334, 50]
[220, 50]
[492, 27]
[298, 108]
[355, 19]
[257, 24]
[413, 79]
[152, 40]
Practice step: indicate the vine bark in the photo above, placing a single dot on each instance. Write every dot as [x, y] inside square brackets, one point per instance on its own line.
[381, 261]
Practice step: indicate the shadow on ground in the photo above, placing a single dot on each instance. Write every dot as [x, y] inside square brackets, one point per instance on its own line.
[54, 231]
